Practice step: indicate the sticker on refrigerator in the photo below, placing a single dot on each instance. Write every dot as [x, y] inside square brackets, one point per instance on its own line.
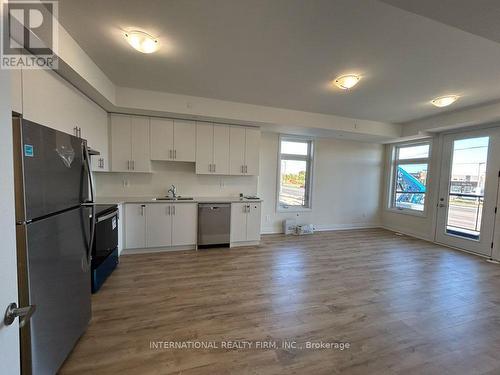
[113, 223]
[28, 151]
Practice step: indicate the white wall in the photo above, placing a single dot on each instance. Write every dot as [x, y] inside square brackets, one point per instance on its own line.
[346, 185]
[9, 335]
[166, 173]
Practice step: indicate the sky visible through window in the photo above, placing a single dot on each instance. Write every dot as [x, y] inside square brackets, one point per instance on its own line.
[466, 187]
[293, 178]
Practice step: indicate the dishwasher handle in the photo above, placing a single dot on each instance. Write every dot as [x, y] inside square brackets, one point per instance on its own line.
[214, 207]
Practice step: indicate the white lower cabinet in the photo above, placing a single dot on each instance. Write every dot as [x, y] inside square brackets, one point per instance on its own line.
[184, 224]
[135, 226]
[160, 225]
[245, 222]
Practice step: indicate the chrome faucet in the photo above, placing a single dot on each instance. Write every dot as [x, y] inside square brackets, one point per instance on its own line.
[172, 191]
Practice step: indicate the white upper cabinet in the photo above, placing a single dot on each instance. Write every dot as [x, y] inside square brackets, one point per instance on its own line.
[252, 151]
[237, 151]
[244, 151]
[141, 161]
[121, 146]
[212, 148]
[162, 139]
[50, 100]
[221, 149]
[130, 149]
[173, 140]
[204, 148]
[184, 140]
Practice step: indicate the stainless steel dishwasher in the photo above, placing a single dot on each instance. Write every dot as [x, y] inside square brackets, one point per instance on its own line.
[214, 224]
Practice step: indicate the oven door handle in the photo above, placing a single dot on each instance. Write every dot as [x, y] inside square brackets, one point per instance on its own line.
[108, 216]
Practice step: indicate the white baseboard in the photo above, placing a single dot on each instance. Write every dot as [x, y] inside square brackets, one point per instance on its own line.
[407, 233]
[324, 228]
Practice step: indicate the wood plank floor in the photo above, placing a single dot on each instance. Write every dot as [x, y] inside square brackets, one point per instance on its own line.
[405, 306]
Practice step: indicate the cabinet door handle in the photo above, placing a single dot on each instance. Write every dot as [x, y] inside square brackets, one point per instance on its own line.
[142, 209]
[128, 164]
[246, 168]
[215, 167]
[133, 165]
[80, 132]
[168, 210]
[170, 154]
[175, 154]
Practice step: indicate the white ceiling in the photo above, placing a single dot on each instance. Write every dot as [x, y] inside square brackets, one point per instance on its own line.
[282, 53]
[479, 17]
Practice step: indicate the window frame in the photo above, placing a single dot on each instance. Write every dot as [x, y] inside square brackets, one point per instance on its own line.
[309, 159]
[395, 162]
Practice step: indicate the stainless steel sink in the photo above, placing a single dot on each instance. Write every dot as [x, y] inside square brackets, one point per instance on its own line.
[178, 198]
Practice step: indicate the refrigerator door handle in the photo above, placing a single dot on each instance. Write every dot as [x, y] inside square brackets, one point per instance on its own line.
[90, 242]
[89, 172]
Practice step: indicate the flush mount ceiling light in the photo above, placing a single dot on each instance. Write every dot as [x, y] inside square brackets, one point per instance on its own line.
[347, 81]
[444, 101]
[141, 41]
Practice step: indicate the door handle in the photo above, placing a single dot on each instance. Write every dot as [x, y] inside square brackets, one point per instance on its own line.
[442, 205]
[13, 312]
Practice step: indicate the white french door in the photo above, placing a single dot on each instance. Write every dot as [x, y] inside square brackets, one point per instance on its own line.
[468, 190]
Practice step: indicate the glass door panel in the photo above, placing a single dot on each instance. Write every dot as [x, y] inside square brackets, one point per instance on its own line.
[466, 187]
[468, 190]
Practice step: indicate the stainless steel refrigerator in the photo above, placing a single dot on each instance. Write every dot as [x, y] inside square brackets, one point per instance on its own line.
[54, 242]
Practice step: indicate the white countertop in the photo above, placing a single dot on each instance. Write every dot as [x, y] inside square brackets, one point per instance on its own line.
[150, 199]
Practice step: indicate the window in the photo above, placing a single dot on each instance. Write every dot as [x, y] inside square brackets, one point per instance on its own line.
[409, 176]
[295, 163]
